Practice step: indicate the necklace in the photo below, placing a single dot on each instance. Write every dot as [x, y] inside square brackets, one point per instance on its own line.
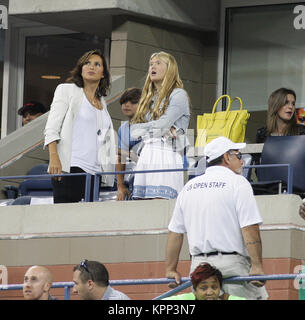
[95, 102]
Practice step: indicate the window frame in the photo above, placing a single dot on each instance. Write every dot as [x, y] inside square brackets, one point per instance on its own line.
[14, 65]
[223, 33]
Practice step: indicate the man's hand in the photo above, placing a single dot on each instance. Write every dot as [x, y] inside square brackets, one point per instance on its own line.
[173, 248]
[175, 275]
[257, 271]
[122, 193]
[251, 236]
[302, 210]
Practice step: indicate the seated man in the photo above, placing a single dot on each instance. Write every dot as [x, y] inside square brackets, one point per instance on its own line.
[126, 146]
[91, 282]
[207, 283]
[31, 111]
[37, 284]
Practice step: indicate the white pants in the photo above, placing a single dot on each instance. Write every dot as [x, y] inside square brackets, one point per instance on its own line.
[230, 266]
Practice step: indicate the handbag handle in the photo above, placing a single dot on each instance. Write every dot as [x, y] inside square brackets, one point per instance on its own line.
[220, 98]
[240, 102]
[213, 114]
[228, 108]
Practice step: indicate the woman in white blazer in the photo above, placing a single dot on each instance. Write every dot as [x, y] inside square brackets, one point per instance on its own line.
[79, 131]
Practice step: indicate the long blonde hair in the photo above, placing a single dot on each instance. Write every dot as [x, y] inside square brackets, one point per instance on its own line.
[170, 82]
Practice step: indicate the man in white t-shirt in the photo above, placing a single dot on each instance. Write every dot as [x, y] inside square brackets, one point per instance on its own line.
[219, 213]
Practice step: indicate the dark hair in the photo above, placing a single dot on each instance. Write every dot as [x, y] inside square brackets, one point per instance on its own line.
[132, 95]
[276, 101]
[94, 271]
[32, 107]
[215, 162]
[203, 272]
[76, 73]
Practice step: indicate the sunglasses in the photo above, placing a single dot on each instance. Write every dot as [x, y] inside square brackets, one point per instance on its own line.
[237, 154]
[84, 265]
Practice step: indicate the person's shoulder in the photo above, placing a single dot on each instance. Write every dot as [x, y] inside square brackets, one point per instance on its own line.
[67, 87]
[300, 129]
[178, 92]
[117, 295]
[121, 296]
[191, 182]
[240, 178]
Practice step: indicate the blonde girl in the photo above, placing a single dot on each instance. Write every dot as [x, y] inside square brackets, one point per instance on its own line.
[161, 120]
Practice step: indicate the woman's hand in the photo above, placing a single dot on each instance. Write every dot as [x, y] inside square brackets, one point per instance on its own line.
[173, 133]
[122, 193]
[55, 165]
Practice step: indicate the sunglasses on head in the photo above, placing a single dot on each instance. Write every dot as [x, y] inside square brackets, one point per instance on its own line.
[83, 264]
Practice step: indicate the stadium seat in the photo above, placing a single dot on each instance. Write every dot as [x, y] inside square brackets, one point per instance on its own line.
[281, 150]
[33, 187]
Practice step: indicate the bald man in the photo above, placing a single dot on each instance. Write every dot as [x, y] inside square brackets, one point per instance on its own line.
[37, 284]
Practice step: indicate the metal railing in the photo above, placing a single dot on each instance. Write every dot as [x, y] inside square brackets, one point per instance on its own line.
[98, 174]
[185, 283]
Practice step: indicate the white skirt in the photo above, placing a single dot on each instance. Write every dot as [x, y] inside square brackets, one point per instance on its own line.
[158, 155]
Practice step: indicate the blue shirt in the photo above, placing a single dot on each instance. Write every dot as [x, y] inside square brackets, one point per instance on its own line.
[124, 140]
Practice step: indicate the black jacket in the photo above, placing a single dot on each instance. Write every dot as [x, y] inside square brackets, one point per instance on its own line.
[261, 134]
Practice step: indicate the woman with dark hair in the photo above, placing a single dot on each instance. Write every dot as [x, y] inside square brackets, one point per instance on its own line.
[79, 131]
[281, 116]
[207, 284]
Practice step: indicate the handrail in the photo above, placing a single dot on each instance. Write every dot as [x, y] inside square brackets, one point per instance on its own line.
[96, 176]
[185, 283]
[43, 176]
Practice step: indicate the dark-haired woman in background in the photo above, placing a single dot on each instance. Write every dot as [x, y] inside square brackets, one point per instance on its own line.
[281, 116]
[79, 131]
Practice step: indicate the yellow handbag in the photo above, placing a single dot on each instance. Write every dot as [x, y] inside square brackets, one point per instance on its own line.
[230, 124]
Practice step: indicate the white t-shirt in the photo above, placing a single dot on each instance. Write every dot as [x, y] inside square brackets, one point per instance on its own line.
[89, 129]
[212, 209]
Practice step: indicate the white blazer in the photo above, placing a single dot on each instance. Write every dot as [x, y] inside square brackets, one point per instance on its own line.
[64, 109]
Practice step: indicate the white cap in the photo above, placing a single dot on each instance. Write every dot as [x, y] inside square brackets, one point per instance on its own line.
[220, 146]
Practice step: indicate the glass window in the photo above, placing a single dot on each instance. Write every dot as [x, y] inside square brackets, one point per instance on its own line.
[48, 60]
[264, 52]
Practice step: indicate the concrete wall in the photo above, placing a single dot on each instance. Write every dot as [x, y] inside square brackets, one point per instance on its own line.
[130, 237]
[201, 14]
